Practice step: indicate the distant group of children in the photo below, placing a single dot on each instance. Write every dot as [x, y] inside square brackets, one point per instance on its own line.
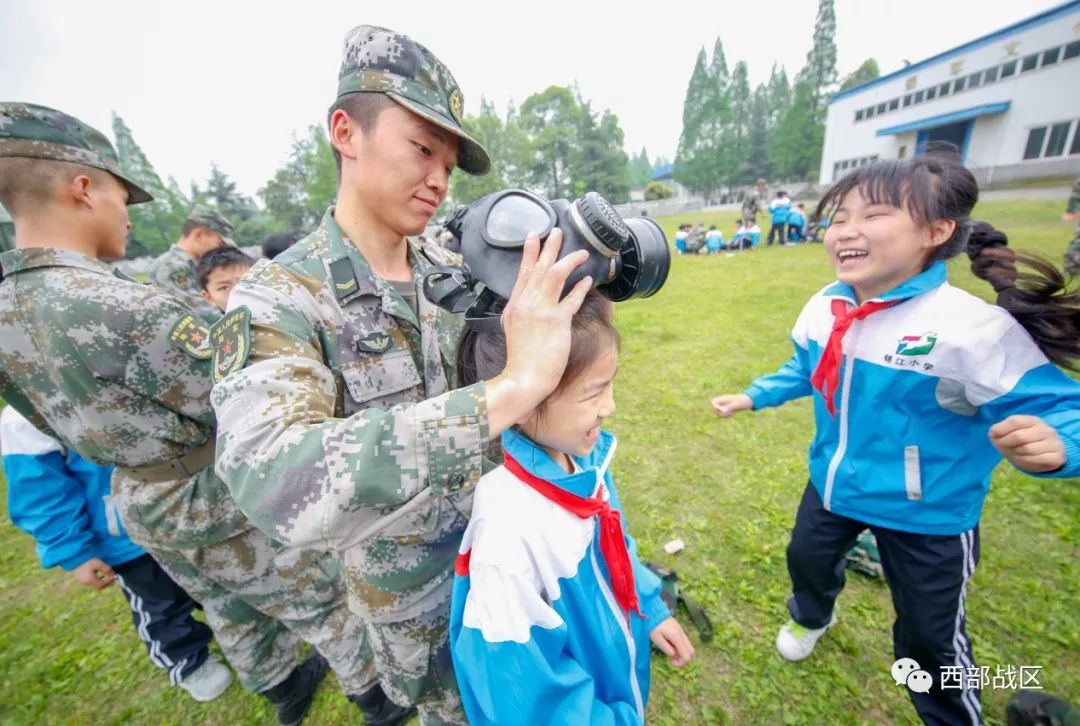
[789, 227]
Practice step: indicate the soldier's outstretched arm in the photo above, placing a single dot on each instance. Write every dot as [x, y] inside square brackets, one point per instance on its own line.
[304, 476]
[301, 474]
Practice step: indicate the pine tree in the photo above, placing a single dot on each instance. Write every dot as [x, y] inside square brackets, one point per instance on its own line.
[820, 70]
[154, 225]
[735, 141]
[758, 161]
[798, 142]
[692, 159]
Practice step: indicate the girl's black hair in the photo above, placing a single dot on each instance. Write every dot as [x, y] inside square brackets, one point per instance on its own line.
[937, 186]
[481, 355]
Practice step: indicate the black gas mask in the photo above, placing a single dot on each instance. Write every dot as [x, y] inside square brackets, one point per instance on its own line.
[627, 258]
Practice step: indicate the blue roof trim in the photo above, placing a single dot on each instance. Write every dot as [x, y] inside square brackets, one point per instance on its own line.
[986, 109]
[1033, 21]
[664, 171]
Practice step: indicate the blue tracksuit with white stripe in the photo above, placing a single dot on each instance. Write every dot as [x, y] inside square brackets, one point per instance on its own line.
[908, 454]
[535, 632]
[63, 501]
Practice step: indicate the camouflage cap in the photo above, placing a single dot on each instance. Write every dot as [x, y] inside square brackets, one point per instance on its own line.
[204, 216]
[377, 60]
[38, 132]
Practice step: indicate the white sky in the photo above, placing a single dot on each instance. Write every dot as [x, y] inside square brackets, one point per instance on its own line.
[232, 81]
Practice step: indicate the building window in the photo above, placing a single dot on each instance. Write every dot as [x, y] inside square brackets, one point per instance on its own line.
[1051, 56]
[1059, 134]
[1008, 69]
[974, 80]
[919, 96]
[1072, 50]
[958, 85]
[1034, 146]
[990, 75]
[902, 153]
[1029, 63]
[894, 104]
[943, 89]
[1075, 148]
[870, 112]
[859, 115]
[907, 100]
[931, 93]
[880, 108]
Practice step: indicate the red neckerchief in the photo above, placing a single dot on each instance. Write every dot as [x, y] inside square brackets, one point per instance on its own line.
[612, 541]
[827, 374]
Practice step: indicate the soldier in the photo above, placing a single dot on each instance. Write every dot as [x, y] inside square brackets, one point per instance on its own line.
[339, 424]
[754, 201]
[1072, 253]
[119, 372]
[205, 230]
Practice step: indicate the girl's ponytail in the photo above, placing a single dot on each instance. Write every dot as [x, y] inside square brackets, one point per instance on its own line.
[1038, 296]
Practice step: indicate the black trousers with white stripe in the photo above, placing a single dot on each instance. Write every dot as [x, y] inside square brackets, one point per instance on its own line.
[927, 575]
[161, 611]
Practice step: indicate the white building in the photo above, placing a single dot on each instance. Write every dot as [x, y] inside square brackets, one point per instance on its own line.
[1009, 101]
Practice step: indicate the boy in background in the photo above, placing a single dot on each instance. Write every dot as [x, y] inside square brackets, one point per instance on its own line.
[217, 273]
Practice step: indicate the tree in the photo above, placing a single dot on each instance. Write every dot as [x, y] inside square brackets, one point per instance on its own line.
[640, 169]
[657, 190]
[820, 70]
[779, 97]
[798, 142]
[154, 225]
[221, 194]
[552, 119]
[600, 165]
[300, 191]
[734, 142]
[865, 73]
[758, 159]
[509, 148]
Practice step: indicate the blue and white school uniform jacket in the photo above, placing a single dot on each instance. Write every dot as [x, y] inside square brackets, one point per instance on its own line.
[60, 499]
[779, 208]
[535, 632]
[920, 386]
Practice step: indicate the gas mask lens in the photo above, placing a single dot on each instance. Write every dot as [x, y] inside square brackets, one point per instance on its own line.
[513, 216]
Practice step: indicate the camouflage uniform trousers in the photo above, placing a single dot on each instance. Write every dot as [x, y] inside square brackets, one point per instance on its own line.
[1072, 254]
[263, 600]
[413, 660]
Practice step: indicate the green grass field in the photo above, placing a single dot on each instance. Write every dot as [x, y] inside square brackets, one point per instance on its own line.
[728, 488]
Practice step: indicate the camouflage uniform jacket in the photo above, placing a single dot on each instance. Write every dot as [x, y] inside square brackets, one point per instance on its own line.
[753, 204]
[175, 270]
[1072, 252]
[119, 372]
[342, 431]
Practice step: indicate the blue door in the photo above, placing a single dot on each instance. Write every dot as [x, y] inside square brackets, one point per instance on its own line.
[955, 135]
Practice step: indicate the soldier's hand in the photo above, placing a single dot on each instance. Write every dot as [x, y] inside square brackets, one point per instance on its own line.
[94, 573]
[1028, 443]
[537, 327]
[730, 404]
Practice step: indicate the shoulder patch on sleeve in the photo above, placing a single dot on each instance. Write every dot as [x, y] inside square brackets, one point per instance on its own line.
[230, 339]
[191, 335]
[182, 279]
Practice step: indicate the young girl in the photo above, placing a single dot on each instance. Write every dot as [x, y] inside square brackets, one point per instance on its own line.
[919, 390]
[552, 612]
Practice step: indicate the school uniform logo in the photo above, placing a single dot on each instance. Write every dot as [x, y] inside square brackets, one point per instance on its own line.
[916, 344]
